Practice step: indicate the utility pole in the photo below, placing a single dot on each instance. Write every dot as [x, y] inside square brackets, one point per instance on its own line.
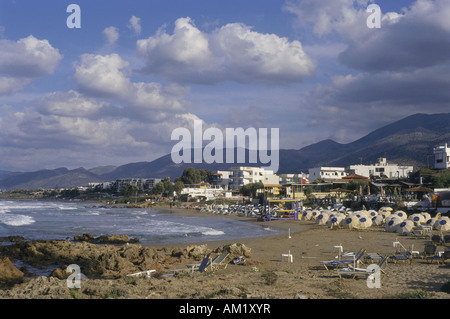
[428, 159]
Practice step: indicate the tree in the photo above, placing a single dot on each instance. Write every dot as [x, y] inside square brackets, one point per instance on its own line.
[129, 190]
[194, 176]
[442, 180]
[178, 187]
[157, 189]
[250, 189]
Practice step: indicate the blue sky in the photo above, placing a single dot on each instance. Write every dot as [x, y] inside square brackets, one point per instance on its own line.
[112, 91]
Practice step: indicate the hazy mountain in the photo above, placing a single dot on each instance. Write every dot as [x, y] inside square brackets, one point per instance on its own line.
[407, 141]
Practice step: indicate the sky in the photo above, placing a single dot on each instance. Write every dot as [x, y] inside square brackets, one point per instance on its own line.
[112, 90]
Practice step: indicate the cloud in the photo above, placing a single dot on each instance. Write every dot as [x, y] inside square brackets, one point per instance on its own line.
[233, 52]
[106, 76]
[419, 39]
[111, 35]
[25, 60]
[135, 24]
[383, 74]
[328, 16]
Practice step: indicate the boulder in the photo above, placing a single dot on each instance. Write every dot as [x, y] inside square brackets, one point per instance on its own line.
[84, 237]
[9, 272]
[236, 250]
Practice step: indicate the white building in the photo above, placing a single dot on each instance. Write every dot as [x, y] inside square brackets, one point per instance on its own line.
[381, 169]
[329, 174]
[242, 175]
[300, 178]
[205, 191]
[441, 157]
[144, 184]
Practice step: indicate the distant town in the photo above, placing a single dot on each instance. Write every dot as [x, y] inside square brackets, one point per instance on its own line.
[381, 183]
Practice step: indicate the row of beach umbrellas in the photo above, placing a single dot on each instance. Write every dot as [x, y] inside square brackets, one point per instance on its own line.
[397, 221]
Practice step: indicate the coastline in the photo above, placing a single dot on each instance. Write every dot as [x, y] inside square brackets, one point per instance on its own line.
[264, 275]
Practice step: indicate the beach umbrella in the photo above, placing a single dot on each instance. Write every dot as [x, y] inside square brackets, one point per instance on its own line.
[378, 220]
[417, 218]
[442, 223]
[401, 214]
[359, 213]
[349, 222]
[314, 214]
[307, 215]
[427, 216]
[334, 220]
[391, 222]
[431, 221]
[405, 226]
[322, 218]
[372, 213]
[384, 212]
[364, 222]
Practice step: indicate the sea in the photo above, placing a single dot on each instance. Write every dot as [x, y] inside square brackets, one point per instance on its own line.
[35, 220]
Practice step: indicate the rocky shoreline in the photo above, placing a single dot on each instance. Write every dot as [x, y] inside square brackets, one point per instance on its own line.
[101, 260]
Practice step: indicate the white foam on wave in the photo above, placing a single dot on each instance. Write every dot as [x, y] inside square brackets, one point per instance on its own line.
[213, 232]
[67, 207]
[16, 220]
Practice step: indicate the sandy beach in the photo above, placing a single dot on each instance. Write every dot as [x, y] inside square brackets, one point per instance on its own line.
[264, 275]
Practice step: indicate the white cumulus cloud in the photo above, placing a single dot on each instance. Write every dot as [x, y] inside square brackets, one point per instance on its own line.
[233, 52]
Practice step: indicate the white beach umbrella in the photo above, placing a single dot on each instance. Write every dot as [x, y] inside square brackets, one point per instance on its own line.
[334, 220]
[426, 216]
[349, 222]
[401, 214]
[405, 226]
[322, 218]
[314, 214]
[360, 213]
[378, 220]
[372, 213]
[431, 221]
[364, 222]
[384, 211]
[417, 218]
[391, 222]
[307, 215]
[442, 223]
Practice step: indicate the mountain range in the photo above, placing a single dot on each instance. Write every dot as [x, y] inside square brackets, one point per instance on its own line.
[406, 142]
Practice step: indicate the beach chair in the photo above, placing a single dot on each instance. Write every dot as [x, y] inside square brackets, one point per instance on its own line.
[437, 240]
[355, 271]
[340, 263]
[445, 258]
[446, 240]
[201, 267]
[370, 257]
[217, 262]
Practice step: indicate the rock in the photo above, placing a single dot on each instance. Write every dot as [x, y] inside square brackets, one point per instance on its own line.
[9, 272]
[115, 239]
[84, 237]
[59, 273]
[237, 250]
[198, 251]
[13, 239]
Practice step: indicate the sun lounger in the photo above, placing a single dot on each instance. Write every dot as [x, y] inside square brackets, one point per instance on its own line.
[339, 263]
[146, 273]
[355, 271]
[370, 257]
[218, 261]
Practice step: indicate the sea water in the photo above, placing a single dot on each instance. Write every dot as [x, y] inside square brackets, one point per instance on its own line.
[63, 220]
